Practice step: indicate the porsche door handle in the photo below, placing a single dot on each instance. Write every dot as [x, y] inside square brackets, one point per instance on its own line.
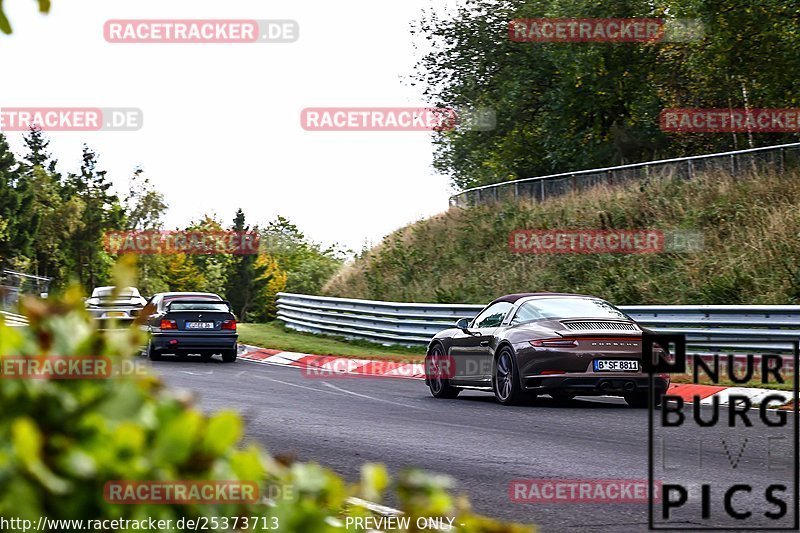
[484, 343]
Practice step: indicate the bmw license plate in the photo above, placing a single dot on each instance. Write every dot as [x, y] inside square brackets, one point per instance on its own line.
[616, 365]
[199, 325]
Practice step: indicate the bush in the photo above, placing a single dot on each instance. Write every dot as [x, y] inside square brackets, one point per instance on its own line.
[62, 440]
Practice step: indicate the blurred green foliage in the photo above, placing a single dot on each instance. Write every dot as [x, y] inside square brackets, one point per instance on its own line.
[5, 25]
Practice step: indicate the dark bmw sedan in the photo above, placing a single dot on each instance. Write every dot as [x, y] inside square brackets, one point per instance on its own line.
[524, 345]
[185, 323]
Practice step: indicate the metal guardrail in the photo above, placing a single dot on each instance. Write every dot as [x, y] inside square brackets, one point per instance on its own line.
[707, 327]
[14, 320]
[540, 188]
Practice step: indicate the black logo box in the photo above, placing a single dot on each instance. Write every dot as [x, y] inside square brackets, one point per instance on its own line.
[678, 366]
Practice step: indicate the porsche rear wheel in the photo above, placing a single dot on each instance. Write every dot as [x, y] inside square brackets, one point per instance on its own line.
[505, 378]
[438, 383]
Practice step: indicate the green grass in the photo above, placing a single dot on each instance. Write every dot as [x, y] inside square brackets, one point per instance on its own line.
[276, 336]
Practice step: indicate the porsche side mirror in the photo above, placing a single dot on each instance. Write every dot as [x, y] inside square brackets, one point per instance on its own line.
[463, 324]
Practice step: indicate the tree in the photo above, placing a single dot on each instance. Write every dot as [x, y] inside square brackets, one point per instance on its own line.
[272, 280]
[248, 279]
[144, 205]
[307, 264]
[18, 224]
[144, 208]
[60, 220]
[37, 155]
[102, 213]
[182, 274]
[570, 106]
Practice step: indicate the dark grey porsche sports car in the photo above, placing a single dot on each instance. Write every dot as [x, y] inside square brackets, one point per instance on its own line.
[524, 345]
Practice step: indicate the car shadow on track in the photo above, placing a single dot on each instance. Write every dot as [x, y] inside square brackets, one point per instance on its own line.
[585, 402]
[188, 360]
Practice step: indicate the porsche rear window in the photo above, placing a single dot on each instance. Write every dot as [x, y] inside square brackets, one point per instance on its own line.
[567, 308]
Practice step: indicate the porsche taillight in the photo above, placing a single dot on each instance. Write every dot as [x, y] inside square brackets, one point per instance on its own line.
[555, 343]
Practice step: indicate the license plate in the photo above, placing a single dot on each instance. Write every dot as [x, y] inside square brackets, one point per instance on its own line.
[199, 325]
[616, 365]
[115, 314]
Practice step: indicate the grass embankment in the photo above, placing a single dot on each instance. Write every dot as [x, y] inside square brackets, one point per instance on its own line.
[275, 336]
[751, 255]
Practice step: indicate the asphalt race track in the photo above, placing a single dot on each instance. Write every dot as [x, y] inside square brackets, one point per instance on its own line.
[344, 422]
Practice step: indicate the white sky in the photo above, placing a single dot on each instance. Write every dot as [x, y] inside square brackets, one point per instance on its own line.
[222, 121]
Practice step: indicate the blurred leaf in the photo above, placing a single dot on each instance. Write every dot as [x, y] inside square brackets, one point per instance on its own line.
[5, 26]
[223, 431]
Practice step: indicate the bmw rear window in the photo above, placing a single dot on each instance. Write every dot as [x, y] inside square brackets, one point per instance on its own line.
[198, 306]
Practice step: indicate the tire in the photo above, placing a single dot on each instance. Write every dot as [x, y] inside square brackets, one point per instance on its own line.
[439, 385]
[152, 353]
[505, 379]
[229, 356]
[641, 400]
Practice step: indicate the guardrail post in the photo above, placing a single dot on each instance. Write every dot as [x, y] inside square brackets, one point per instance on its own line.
[541, 189]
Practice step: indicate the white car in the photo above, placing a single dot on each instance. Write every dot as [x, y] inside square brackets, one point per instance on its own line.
[121, 305]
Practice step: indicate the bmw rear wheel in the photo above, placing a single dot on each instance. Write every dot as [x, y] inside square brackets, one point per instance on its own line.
[152, 353]
[436, 376]
[229, 356]
[505, 378]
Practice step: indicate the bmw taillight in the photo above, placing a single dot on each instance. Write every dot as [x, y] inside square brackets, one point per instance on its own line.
[555, 343]
[229, 325]
[168, 324]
